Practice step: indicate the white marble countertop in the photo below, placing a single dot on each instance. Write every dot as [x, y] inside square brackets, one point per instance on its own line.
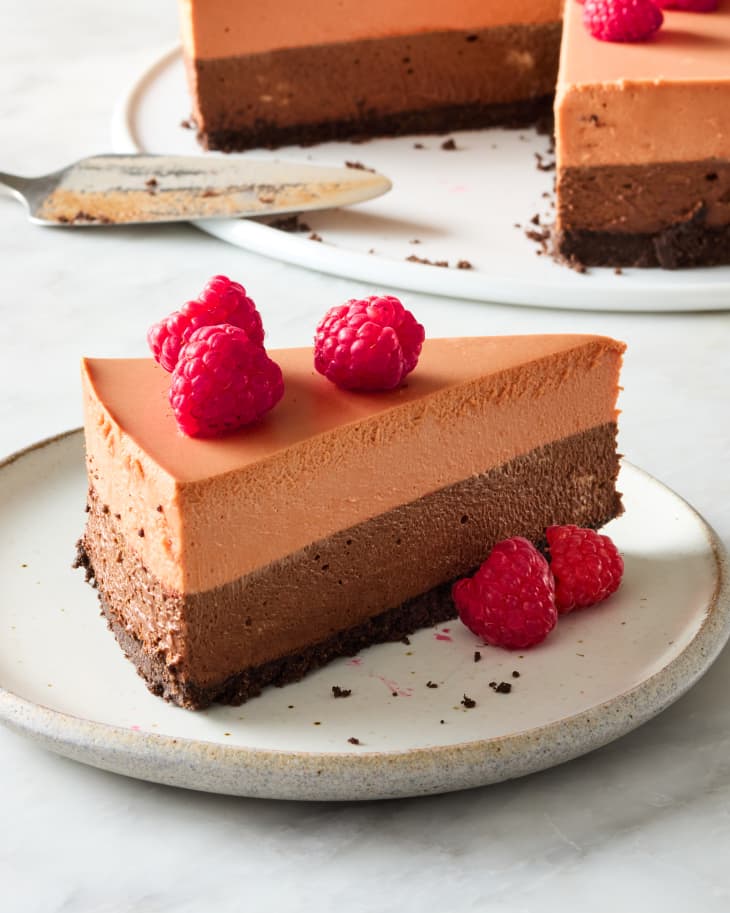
[643, 824]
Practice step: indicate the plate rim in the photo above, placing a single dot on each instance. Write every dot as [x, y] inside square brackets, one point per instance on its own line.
[260, 238]
[74, 736]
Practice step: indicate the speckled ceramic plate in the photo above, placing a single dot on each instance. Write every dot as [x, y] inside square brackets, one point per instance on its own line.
[458, 205]
[604, 671]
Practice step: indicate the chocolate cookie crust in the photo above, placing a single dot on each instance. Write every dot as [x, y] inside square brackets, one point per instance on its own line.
[327, 599]
[672, 215]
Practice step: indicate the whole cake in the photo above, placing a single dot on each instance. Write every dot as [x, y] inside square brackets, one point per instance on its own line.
[340, 519]
[642, 127]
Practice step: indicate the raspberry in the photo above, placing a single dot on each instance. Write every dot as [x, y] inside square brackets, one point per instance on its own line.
[368, 344]
[587, 567]
[221, 301]
[510, 601]
[621, 20]
[222, 381]
[689, 6]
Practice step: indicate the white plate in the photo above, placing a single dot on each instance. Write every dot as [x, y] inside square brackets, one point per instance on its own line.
[460, 205]
[604, 671]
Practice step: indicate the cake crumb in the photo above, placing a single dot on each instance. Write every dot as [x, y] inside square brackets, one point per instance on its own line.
[430, 684]
[618, 271]
[414, 259]
[406, 640]
[515, 673]
[449, 145]
[341, 692]
[358, 166]
[468, 702]
[464, 264]
[543, 165]
[290, 223]
[315, 237]
[353, 741]
[187, 124]
[477, 656]
[418, 146]
[501, 688]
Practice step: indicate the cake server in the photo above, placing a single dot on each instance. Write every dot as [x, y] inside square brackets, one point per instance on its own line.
[129, 189]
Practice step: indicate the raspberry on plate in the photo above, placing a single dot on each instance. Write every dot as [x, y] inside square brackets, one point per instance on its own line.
[222, 381]
[622, 20]
[510, 601]
[221, 301]
[587, 566]
[369, 344]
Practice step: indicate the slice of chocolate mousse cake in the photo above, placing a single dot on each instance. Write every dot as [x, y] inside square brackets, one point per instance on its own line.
[340, 519]
[285, 73]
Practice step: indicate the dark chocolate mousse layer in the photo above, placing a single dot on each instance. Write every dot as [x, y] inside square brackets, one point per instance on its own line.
[373, 582]
[670, 215]
[431, 82]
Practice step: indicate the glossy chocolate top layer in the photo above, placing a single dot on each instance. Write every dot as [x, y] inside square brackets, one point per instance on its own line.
[219, 28]
[325, 459]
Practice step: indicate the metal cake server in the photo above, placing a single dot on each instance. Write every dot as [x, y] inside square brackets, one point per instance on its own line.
[129, 189]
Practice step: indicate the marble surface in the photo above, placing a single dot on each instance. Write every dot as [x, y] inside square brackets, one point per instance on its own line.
[642, 824]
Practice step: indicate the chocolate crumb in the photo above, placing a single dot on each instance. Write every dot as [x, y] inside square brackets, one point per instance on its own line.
[449, 145]
[210, 193]
[477, 656]
[353, 741]
[290, 707]
[341, 692]
[187, 124]
[358, 166]
[418, 146]
[290, 223]
[618, 271]
[406, 640]
[542, 165]
[501, 688]
[442, 722]
[414, 241]
[515, 673]
[317, 723]
[151, 182]
[468, 702]
[464, 264]
[315, 237]
[535, 219]
[430, 684]
[394, 693]
[159, 508]
[414, 259]
[140, 533]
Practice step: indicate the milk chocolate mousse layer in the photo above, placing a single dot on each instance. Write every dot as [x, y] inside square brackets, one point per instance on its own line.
[339, 520]
[393, 85]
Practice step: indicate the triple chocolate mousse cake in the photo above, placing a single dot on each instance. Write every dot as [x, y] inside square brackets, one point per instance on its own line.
[642, 127]
[340, 519]
[293, 73]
